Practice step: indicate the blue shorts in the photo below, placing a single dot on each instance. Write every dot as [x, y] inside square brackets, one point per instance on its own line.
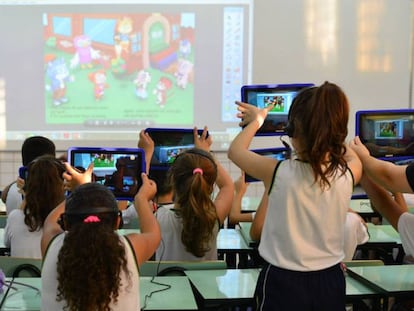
[286, 290]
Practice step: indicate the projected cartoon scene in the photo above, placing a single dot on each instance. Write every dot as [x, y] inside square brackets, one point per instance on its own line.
[119, 68]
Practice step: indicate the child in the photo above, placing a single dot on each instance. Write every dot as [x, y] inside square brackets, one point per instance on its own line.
[190, 225]
[383, 181]
[43, 192]
[301, 229]
[87, 265]
[32, 148]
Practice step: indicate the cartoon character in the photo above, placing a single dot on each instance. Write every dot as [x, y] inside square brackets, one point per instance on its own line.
[98, 78]
[85, 54]
[185, 48]
[183, 72]
[164, 84]
[123, 36]
[141, 82]
[59, 75]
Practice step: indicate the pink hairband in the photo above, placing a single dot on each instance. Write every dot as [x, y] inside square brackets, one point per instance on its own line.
[91, 218]
[197, 170]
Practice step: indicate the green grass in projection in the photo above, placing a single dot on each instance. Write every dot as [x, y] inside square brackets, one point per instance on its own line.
[119, 101]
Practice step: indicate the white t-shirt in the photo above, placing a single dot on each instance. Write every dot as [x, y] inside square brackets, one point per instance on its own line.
[14, 198]
[17, 236]
[304, 226]
[171, 247]
[356, 233]
[406, 230]
[128, 299]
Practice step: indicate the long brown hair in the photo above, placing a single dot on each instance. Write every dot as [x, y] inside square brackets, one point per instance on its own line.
[319, 116]
[92, 256]
[193, 190]
[43, 190]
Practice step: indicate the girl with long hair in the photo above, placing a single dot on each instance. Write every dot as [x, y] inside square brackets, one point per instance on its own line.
[87, 264]
[43, 191]
[190, 224]
[301, 229]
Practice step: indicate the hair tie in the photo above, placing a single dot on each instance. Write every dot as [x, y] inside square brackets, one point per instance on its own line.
[91, 218]
[197, 170]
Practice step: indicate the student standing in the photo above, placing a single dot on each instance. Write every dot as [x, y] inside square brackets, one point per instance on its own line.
[301, 229]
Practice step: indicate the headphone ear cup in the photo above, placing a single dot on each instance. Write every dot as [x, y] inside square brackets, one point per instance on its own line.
[61, 222]
[121, 221]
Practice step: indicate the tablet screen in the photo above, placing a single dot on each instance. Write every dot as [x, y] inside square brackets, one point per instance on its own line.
[117, 168]
[279, 95]
[388, 134]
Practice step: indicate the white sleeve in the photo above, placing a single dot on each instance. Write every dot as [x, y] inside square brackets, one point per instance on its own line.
[405, 228]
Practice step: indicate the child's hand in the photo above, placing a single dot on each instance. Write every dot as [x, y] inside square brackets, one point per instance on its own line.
[145, 142]
[74, 178]
[360, 149]
[148, 189]
[203, 142]
[248, 113]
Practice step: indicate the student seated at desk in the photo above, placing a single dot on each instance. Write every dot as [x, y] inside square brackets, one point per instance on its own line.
[384, 182]
[356, 230]
[87, 265]
[189, 226]
[44, 190]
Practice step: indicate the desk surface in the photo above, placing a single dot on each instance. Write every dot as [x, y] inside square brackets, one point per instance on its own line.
[362, 206]
[231, 240]
[224, 284]
[390, 279]
[236, 285]
[178, 297]
[383, 234]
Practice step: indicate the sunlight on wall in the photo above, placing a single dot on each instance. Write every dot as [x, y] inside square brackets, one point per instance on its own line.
[321, 31]
[372, 53]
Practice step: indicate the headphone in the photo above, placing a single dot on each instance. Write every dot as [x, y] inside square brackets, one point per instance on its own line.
[67, 220]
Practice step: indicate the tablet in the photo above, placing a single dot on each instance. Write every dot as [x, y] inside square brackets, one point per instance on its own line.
[388, 134]
[281, 95]
[169, 143]
[117, 168]
[276, 153]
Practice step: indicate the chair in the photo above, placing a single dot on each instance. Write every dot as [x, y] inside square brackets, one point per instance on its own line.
[162, 268]
[19, 266]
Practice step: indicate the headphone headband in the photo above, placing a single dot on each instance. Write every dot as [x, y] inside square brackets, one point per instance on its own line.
[95, 210]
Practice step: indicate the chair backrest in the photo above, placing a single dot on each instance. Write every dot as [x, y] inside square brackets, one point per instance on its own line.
[363, 262]
[19, 266]
[151, 268]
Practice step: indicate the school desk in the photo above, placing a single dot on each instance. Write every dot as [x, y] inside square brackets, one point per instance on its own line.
[231, 244]
[178, 297]
[391, 280]
[235, 287]
[383, 239]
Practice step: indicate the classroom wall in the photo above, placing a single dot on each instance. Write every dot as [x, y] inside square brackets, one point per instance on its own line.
[365, 46]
